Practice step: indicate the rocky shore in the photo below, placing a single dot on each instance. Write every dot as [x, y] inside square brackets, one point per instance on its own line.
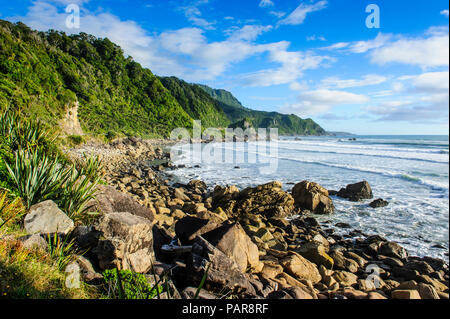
[260, 242]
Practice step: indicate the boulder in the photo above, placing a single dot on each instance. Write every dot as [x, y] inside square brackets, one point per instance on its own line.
[188, 228]
[34, 242]
[356, 192]
[344, 278]
[316, 253]
[47, 218]
[225, 198]
[268, 200]
[405, 294]
[378, 203]
[392, 249]
[313, 197]
[126, 242]
[223, 272]
[109, 200]
[232, 240]
[301, 268]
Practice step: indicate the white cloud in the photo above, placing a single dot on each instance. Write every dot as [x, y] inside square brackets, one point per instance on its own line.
[444, 13]
[418, 98]
[316, 38]
[298, 16]
[293, 64]
[248, 32]
[321, 101]
[432, 51]
[370, 79]
[278, 14]
[266, 3]
[193, 14]
[360, 46]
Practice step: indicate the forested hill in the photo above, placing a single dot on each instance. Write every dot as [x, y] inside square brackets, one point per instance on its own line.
[44, 73]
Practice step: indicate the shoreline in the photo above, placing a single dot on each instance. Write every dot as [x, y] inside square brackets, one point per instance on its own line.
[287, 232]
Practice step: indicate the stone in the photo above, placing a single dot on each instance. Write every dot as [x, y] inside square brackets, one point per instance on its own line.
[271, 269]
[268, 200]
[194, 208]
[109, 200]
[264, 234]
[297, 293]
[316, 253]
[375, 295]
[35, 242]
[225, 198]
[87, 271]
[428, 292]
[189, 293]
[126, 243]
[405, 273]
[342, 263]
[356, 192]
[392, 249]
[301, 268]
[345, 278]
[47, 218]
[378, 203]
[313, 197]
[223, 272]
[232, 240]
[405, 294]
[421, 266]
[188, 228]
[179, 193]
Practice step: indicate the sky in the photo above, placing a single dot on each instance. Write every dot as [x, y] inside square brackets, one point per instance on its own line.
[365, 67]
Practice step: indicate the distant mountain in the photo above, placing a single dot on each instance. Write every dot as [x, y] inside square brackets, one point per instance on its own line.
[242, 117]
[222, 96]
[46, 74]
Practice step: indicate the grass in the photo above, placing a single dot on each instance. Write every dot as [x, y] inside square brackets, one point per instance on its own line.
[32, 274]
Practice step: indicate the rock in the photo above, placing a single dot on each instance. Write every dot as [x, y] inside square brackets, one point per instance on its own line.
[87, 271]
[109, 200]
[405, 294]
[223, 272]
[316, 253]
[375, 295]
[194, 208]
[164, 220]
[428, 292]
[301, 268]
[421, 266]
[268, 200]
[342, 263]
[161, 237]
[85, 237]
[34, 242]
[179, 193]
[344, 278]
[127, 242]
[405, 273]
[313, 197]
[378, 203]
[356, 192]
[188, 228]
[351, 293]
[392, 249]
[297, 293]
[225, 198]
[189, 293]
[271, 269]
[196, 184]
[264, 234]
[47, 218]
[232, 240]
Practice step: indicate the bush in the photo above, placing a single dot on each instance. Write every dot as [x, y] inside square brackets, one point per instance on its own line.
[125, 284]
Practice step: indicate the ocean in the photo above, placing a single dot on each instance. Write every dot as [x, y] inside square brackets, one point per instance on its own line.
[410, 172]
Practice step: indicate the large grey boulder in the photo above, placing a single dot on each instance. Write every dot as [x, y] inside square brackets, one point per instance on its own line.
[356, 192]
[223, 272]
[47, 218]
[126, 242]
[109, 200]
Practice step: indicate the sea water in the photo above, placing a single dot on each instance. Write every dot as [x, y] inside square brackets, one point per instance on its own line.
[410, 172]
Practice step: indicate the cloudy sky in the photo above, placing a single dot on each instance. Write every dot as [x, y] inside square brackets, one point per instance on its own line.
[313, 58]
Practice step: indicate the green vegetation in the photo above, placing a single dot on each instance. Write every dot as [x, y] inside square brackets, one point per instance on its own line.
[240, 116]
[197, 103]
[42, 74]
[125, 284]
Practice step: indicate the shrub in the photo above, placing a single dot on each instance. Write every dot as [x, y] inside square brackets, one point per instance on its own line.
[11, 211]
[125, 284]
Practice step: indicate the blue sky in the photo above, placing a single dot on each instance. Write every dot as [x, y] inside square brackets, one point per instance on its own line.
[314, 58]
